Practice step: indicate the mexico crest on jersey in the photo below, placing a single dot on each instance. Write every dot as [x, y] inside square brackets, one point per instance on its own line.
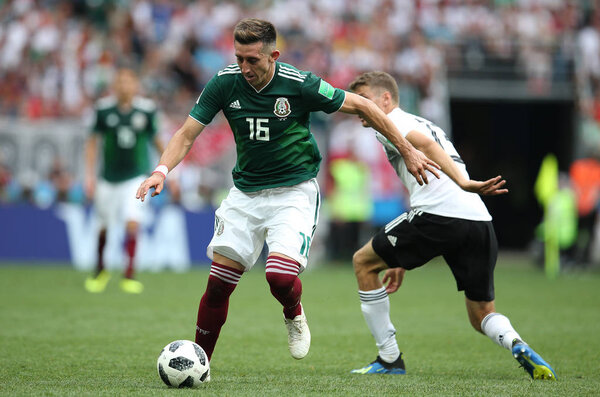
[282, 107]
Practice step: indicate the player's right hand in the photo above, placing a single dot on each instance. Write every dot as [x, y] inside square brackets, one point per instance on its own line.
[156, 181]
[393, 277]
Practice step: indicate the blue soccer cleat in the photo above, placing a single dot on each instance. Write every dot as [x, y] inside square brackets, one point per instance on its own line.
[532, 362]
[381, 367]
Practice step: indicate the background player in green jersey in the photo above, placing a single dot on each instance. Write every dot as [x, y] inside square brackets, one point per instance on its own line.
[125, 124]
[275, 197]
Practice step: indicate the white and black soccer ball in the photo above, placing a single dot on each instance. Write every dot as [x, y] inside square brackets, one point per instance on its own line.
[183, 364]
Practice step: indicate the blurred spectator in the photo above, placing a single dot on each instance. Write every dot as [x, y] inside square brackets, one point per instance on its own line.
[350, 206]
[61, 180]
[58, 57]
[585, 176]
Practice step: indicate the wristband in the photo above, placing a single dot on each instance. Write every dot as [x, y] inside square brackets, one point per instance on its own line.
[161, 169]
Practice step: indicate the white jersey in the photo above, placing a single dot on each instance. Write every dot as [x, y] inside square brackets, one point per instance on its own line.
[441, 196]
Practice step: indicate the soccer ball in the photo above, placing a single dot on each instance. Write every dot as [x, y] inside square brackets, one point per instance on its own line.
[183, 364]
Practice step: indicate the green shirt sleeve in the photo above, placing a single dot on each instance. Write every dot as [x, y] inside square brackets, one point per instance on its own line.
[322, 95]
[208, 103]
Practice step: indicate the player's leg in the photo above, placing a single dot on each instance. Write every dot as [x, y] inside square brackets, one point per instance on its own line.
[98, 281]
[133, 211]
[100, 251]
[212, 311]
[235, 246]
[282, 275]
[499, 329]
[129, 283]
[375, 306]
[473, 267]
[290, 218]
[131, 233]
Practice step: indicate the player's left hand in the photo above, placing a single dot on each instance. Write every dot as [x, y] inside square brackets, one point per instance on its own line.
[418, 164]
[393, 277]
[491, 187]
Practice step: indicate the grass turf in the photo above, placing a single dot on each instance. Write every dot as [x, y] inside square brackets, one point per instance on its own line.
[57, 339]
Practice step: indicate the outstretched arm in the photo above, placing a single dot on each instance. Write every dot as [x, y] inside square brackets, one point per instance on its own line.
[491, 187]
[179, 145]
[416, 162]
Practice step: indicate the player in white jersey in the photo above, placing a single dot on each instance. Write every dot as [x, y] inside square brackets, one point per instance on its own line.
[447, 218]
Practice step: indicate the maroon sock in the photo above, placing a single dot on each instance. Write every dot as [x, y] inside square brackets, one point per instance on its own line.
[286, 287]
[130, 243]
[100, 256]
[212, 311]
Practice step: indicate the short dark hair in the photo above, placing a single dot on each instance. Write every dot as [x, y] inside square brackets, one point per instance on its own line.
[252, 30]
[377, 80]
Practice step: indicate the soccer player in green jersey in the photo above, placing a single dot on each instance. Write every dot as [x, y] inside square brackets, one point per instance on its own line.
[126, 126]
[275, 197]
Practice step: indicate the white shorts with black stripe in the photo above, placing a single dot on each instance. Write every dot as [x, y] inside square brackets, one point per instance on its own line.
[283, 217]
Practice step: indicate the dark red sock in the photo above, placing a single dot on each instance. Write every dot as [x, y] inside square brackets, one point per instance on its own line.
[212, 311]
[286, 287]
[130, 243]
[100, 253]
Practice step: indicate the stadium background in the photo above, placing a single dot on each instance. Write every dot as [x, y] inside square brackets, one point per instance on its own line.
[509, 80]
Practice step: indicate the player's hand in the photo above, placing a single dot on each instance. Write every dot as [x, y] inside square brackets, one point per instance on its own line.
[491, 187]
[418, 164]
[393, 277]
[156, 181]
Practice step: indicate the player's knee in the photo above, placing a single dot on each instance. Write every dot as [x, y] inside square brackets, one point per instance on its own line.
[358, 261]
[279, 281]
[362, 266]
[217, 291]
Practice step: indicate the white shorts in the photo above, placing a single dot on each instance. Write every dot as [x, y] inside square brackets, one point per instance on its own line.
[115, 201]
[284, 217]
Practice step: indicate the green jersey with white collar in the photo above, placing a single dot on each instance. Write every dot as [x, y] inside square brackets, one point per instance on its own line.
[271, 127]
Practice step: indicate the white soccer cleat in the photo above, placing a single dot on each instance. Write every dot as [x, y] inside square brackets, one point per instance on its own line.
[298, 336]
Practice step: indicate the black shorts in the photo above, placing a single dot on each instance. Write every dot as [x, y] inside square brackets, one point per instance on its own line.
[469, 247]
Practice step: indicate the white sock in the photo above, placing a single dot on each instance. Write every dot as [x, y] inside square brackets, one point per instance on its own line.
[375, 306]
[499, 329]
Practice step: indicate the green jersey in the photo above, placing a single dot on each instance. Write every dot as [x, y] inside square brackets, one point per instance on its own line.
[271, 127]
[126, 136]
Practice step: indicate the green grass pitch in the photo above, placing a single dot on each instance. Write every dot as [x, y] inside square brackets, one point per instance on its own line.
[58, 340]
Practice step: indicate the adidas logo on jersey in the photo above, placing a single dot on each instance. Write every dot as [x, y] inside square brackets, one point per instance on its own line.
[393, 240]
[235, 104]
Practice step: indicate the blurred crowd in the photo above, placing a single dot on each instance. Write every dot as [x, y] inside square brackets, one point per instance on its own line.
[58, 57]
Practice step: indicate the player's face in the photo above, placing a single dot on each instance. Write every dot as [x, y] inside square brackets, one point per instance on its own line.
[257, 66]
[126, 84]
[373, 95]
